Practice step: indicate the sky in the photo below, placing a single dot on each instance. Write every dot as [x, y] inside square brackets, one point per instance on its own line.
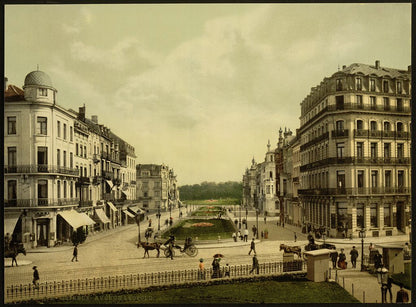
[199, 87]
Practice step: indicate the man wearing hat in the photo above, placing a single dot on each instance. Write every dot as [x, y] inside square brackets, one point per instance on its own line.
[354, 256]
[35, 277]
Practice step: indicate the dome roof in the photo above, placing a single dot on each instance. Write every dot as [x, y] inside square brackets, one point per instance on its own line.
[38, 77]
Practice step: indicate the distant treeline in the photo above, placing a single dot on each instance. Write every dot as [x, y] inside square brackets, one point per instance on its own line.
[211, 190]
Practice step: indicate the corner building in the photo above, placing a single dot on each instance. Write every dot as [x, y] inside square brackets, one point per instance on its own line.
[355, 152]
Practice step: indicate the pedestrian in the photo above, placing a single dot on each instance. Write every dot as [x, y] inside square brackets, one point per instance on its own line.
[150, 223]
[216, 268]
[253, 229]
[75, 253]
[255, 265]
[35, 277]
[262, 234]
[227, 270]
[354, 256]
[295, 236]
[389, 284]
[342, 264]
[170, 221]
[201, 269]
[402, 296]
[334, 257]
[246, 235]
[239, 235]
[264, 219]
[252, 247]
[234, 236]
[377, 260]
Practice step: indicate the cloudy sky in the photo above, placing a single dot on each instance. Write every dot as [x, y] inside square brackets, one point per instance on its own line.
[201, 88]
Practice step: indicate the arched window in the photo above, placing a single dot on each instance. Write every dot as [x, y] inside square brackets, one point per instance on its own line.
[386, 126]
[399, 127]
[373, 125]
[340, 125]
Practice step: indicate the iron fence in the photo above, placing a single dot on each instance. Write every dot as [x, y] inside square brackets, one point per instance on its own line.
[15, 293]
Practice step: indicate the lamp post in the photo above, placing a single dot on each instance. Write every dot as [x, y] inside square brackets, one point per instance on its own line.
[239, 219]
[362, 236]
[257, 223]
[382, 280]
[158, 217]
[170, 211]
[246, 216]
[324, 235]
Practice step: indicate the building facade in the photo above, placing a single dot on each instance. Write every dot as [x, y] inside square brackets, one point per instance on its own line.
[53, 169]
[355, 152]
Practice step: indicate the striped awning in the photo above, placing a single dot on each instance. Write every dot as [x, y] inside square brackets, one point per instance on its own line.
[10, 221]
[110, 183]
[100, 214]
[128, 213]
[112, 207]
[76, 219]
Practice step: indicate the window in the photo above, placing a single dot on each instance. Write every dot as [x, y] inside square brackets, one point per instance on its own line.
[42, 155]
[58, 189]
[12, 156]
[400, 151]
[341, 179]
[41, 125]
[11, 124]
[360, 149]
[386, 101]
[85, 151]
[360, 179]
[385, 86]
[372, 85]
[399, 104]
[64, 131]
[373, 125]
[71, 190]
[43, 191]
[373, 150]
[64, 157]
[400, 179]
[76, 149]
[340, 125]
[373, 102]
[340, 150]
[399, 88]
[374, 179]
[12, 192]
[387, 150]
[339, 100]
[71, 160]
[360, 125]
[387, 215]
[80, 150]
[71, 134]
[339, 84]
[360, 215]
[373, 215]
[358, 84]
[399, 127]
[359, 101]
[43, 92]
[58, 157]
[387, 179]
[59, 128]
[145, 194]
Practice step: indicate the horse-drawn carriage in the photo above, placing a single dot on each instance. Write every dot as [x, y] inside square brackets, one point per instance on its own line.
[169, 247]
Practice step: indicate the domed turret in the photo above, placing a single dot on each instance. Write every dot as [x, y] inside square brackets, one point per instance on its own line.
[38, 78]
[38, 87]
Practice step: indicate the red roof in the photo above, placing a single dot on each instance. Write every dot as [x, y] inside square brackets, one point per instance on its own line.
[13, 93]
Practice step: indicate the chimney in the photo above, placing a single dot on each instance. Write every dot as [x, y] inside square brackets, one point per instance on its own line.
[81, 113]
[6, 81]
[377, 64]
[344, 66]
[94, 119]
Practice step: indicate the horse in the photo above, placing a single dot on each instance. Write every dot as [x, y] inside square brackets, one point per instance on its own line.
[13, 251]
[149, 246]
[291, 249]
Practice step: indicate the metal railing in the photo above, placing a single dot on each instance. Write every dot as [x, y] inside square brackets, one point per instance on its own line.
[21, 292]
[40, 202]
[354, 191]
[40, 168]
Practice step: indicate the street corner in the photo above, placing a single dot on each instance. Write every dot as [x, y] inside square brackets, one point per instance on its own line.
[8, 263]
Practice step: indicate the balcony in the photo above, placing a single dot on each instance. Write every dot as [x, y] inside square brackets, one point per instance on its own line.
[85, 203]
[40, 168]
[97, 180]
[108, 175]
[83, 181]
[339, 133]
[388, 134]
[110, 157]
[41, 202]
[322, 137]
[402, 135]
[354, 191]
[360, 133]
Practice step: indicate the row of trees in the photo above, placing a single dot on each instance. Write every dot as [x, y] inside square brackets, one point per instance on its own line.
[211, 190]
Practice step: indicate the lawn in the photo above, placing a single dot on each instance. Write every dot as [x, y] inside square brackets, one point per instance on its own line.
[208, 211]
[255, 292]
[204, 229]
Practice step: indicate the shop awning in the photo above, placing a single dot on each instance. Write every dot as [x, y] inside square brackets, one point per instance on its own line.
[135, 209]
[110, 183]
[128, 213]
[101, 216]
[76, 219]
[10, 221]
[112, 207]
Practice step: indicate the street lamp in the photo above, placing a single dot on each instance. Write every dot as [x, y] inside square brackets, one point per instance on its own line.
[246, 216]
[362, 236]
[324, 235]
[158, 217]
[382, 280]
[257, 223]
[239, 222]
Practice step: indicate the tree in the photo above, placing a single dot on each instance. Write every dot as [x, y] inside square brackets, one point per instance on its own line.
[79, 236]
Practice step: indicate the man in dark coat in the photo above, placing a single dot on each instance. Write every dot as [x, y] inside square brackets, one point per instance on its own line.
[75, 253]
[402, 295]
[255, 265]
[354, 256]
[252, 247]
[35, 277]
[334, 257]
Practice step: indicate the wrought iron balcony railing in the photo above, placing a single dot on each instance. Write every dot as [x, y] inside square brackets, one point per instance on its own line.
[354, 191]
[40, 202]
[40, 168]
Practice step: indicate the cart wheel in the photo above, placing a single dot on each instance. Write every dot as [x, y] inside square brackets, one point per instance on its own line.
[167, 253]
[192, 251]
